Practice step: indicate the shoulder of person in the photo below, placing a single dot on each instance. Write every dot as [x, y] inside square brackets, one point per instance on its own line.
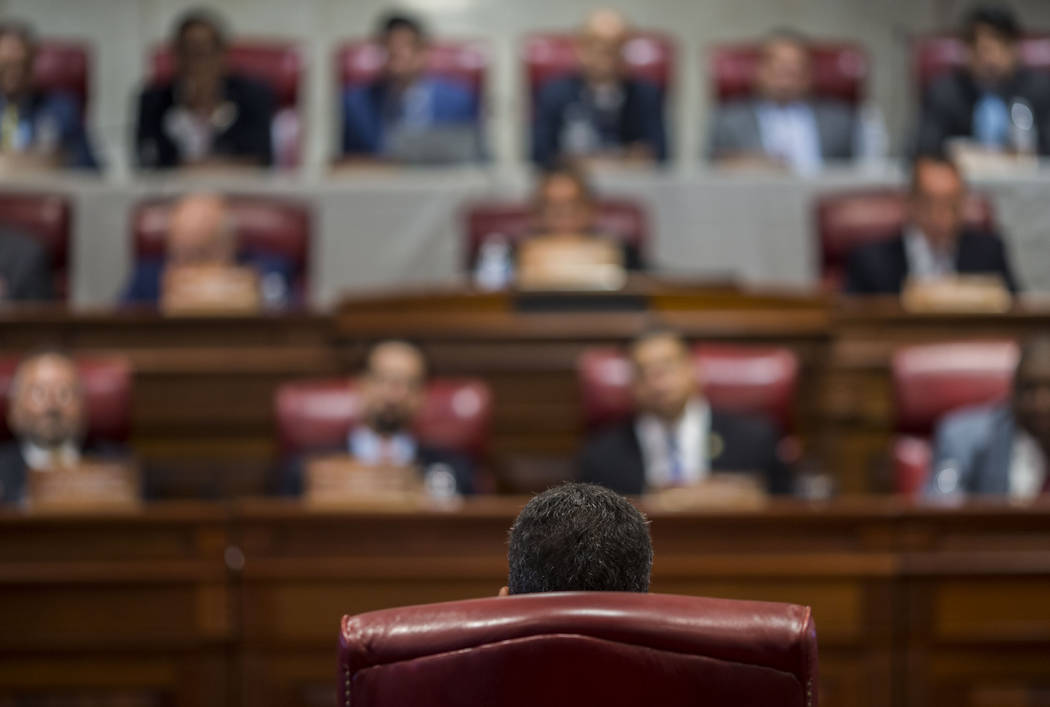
[560, 87]
[250, 87]
[830, 107]
[971, 426]
[748, 426]
[611, 437]
[643, 87]
[17, 244]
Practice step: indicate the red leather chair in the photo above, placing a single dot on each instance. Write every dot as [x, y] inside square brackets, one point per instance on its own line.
[280, 66]
[596, 648]
[848, 219]
[46, 218]
[274, 226]
[936, 55]
[752, 380]
[932, 380]
[63, 66]
[840, 71]
[107, 395]
[320, 413]
[648, 55]
[621, 218]
[359, 62]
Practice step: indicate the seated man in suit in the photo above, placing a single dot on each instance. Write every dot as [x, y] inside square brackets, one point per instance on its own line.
[994, 102]
[37, 129]
[783, 125]
[206, 115]
[392, 388]
[47, 419]
[406, 114]
[1001, 449]
[936, 244]
[202, 234]
[579, 538]
[599, 113]
[676, 438]
[25, 273]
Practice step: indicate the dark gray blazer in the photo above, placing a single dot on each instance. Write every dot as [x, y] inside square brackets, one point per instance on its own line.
[735, 130]
[972, 453]
[25, 271]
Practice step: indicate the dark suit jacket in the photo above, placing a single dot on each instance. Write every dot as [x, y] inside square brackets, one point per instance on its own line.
[290, 480]
[948, 104]
[641, 117]
[247, 136]
[56, 117]
[613, 458]
[13, 468]
[976, 446]
[882, 267]
[25, 271]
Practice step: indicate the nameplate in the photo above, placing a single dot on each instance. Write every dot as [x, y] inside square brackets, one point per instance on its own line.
[553, 263]
[341, 480]
[208, 289]
[719, 491]
[959, 294]
[90, 486]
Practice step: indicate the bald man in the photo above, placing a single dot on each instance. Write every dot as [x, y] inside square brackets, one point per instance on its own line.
[392, 389]
[45, 413]
[201, 231]
[599, 112]
[1003, 449]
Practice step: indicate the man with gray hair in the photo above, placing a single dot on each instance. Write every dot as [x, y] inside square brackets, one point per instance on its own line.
[202, 232]
[47, 420]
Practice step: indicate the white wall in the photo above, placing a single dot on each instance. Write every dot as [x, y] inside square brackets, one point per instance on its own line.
[122, 30]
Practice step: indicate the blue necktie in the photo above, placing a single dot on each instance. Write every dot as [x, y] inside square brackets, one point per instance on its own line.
[991, 121]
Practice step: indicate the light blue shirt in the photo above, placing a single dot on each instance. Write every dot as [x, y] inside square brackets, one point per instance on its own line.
[789, 132]
[991, 121]
[370, 448]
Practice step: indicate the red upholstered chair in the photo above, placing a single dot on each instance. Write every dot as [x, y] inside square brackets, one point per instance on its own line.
[936, 55]
[622, 218]
[752, 380]
[264, 225]
[47, 218]
[840, 71]
[107, 394]
[280, 66]
[320, 413]
[848, 219]
[63, 66]
[648, 55]
[601, 648]
[932, 380]
[360, 61]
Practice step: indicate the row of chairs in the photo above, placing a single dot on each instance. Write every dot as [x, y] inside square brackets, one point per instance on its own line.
[929, 381]
[841, 70]
[283, 227]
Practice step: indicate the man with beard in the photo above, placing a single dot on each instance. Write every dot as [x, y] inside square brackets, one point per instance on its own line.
[392, 390]
[1000, 450]
[47, 419]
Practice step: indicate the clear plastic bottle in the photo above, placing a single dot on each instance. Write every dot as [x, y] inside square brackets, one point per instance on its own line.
[494, 270]
[1023, 137]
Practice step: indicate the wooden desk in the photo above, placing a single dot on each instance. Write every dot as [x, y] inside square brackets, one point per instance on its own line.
[132, 609]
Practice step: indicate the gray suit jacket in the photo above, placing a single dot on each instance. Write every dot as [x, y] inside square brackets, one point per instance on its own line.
[25, 272]
[972, 453]
[735, 130]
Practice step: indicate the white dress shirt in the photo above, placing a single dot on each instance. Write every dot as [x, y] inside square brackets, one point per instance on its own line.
[925, 263]
[790, 133]
[66, 456]
[688, 437]
[1027, 467]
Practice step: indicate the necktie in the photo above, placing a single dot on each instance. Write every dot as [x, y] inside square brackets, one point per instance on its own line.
[9, 127]
[991, 121]
[676, 473]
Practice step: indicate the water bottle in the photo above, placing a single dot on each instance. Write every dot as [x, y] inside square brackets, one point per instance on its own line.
[1023, 137]
[494, 269]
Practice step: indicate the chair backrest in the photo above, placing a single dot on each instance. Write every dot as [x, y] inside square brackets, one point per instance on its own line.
[848, 219]
[64, 66]
[935, 55]
[932, 380]
[46, 218]
[840, 70]
[561, 649]
[622, 219]
[320, 413]
[278, 227]
[751, 380]
[107, 395]
[550, 55]
[278, 64]
[359, 62]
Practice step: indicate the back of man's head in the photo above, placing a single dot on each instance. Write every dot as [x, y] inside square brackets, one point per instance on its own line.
[579, 537]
